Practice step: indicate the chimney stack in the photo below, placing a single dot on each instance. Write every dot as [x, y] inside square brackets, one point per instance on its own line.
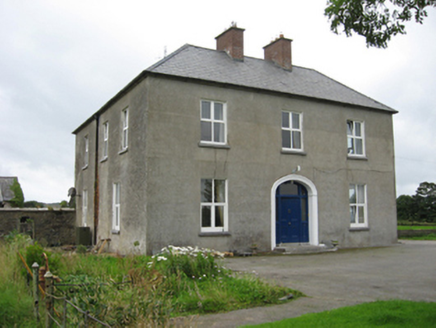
[232, 42]
[279, 52]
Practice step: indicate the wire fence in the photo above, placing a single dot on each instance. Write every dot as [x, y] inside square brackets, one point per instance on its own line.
[52, 316]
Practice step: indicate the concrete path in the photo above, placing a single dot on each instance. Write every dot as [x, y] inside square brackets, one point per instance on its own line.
[331, 280]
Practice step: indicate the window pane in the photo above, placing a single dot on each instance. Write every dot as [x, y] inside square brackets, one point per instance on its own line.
[350, 145]
[218, 133]
[361, 194]
[361, 214]
[285, 119]
[296, 139]
[205, 216]
[205, 109]
[295, 121]
[219, 216]
[352, 214]
[358, 131]
[206, 131]
[303, 209]
[220, 191]
[288, 188]
[206, 190]
[349, 128]
[359, 146]
[218, 112]
[286, 139]
[352, 194]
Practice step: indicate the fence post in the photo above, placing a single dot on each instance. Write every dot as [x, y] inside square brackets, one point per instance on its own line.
[48, 298]
[64, 316]
[35, 268]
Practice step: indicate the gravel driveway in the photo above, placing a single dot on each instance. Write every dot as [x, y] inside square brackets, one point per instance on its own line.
[332, 280]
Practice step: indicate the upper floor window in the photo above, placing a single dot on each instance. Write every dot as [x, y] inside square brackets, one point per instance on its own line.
[125, 133]
[357, 196]
[292, 133]
[116, 207]
[85, 208]
[86, 155]
[214, 216]
[105, 139]
[355, 138]
[213, 122]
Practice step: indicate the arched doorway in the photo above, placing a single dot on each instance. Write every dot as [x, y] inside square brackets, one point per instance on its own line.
[294, 211]
[292, 224]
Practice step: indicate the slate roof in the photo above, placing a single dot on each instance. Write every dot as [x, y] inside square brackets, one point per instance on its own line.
[6, 193]
[216, 66]
[201, 64]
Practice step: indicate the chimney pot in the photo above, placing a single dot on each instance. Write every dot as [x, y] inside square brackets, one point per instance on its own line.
[232, 42]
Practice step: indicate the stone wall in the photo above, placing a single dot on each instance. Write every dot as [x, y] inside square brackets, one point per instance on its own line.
[49, 227]
[415, 233]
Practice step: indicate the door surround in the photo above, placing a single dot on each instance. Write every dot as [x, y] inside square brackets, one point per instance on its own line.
[312, 206]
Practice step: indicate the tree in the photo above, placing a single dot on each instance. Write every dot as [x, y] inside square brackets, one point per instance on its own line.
[406, 208]
[18, 200]
[374, 19]
[425, 199]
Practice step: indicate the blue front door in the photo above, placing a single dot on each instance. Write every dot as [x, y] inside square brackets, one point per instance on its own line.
[291, 214]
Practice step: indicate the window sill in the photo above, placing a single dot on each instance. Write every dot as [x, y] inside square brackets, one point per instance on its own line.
[357, 157]
[122, 151]
[115, 232]
[354, 229]
[104, 159]
[293, 152]
[215, 234]
[213, 145]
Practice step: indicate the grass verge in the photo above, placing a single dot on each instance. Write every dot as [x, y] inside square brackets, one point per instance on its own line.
[394, 313]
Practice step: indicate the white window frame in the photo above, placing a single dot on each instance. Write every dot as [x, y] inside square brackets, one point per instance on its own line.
[86, 155]
[125, 129]
[116, 207]
[291, 130]
[85, 208]
[357, 205]
[105, 140]
[213, 204]
[353, 137]
[212, 120]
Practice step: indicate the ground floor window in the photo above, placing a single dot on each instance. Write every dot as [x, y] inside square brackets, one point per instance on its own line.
[85, 208]
[357, 196]
[214, 216]
[116, 207]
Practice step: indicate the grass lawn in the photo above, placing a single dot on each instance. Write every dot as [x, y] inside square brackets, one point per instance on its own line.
[401, 227]
[394, 313]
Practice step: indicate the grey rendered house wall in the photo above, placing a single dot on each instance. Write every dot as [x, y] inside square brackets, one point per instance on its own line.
[127, 168]
[84, 174]
[254, 162]
[161, 171]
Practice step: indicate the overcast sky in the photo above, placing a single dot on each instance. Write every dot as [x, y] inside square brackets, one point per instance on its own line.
[60, 61]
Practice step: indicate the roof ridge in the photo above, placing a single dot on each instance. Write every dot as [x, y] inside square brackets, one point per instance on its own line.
[166, 58]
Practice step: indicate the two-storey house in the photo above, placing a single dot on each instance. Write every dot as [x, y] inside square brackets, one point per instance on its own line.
[216, 149]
